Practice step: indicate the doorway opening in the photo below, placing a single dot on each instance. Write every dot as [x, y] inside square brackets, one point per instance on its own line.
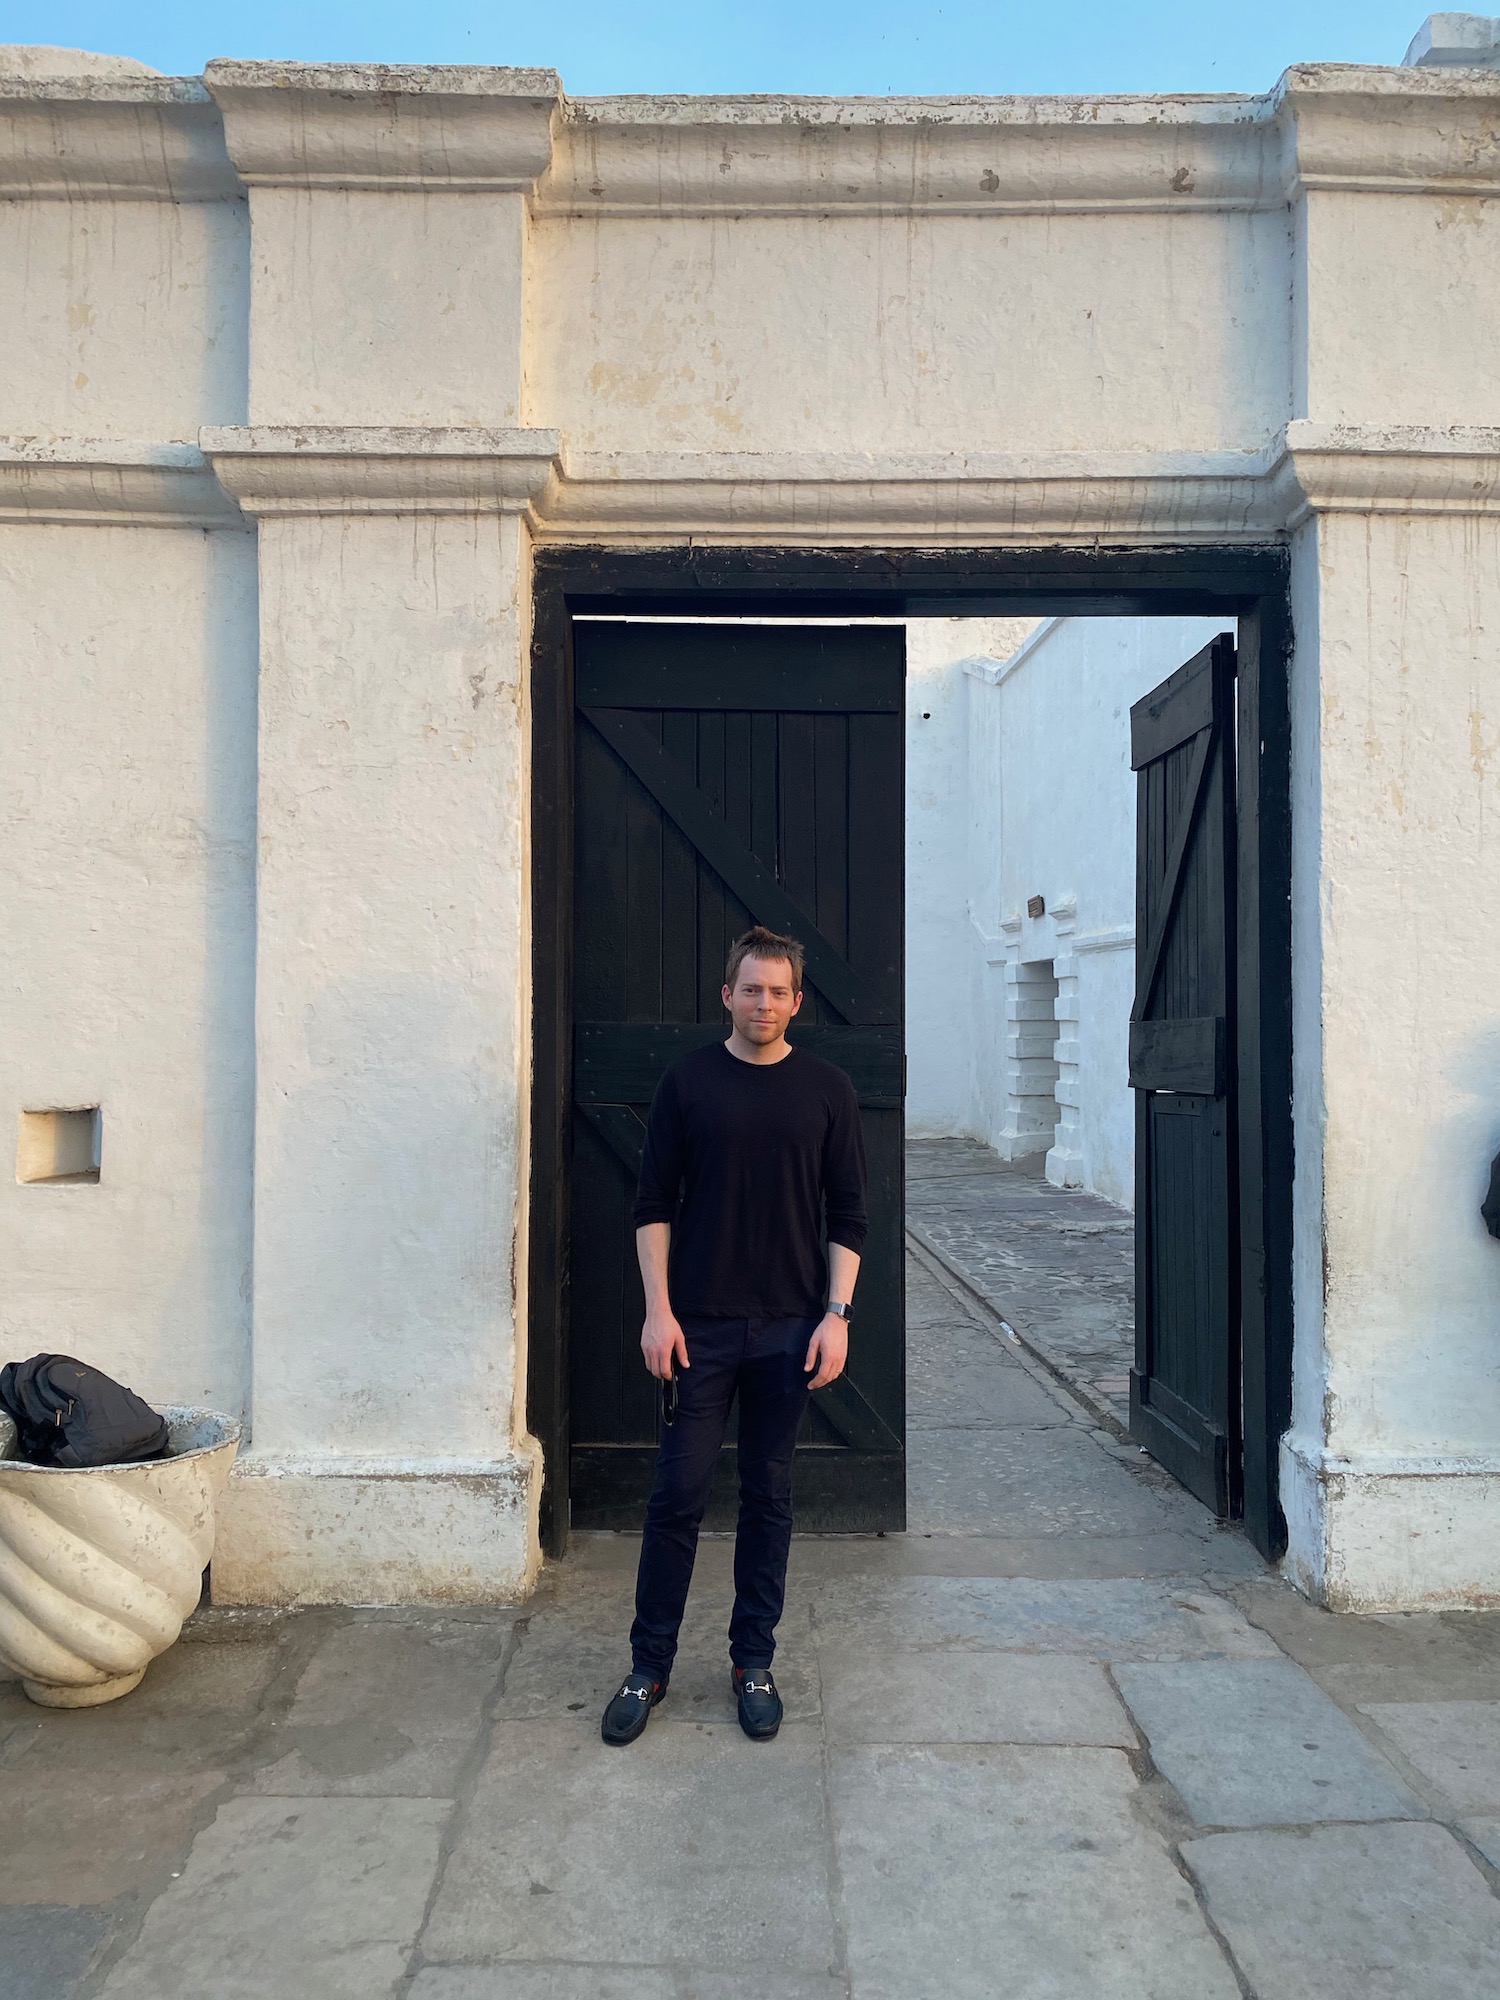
[1029, 1127]
[743, 737]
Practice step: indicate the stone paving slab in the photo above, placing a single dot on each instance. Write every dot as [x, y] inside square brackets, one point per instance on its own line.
[635, 1982]
[957, 1367]
[1204, 1551]
[194, 1711]
[1387, 1656]
[386, 1708]
[315, 1897]
[871, 1695]
[571, 1657]
[45, 1950]
[1258, 1743]
[1056, 1263]
[1394, 1912]
[1454, 1745]
[1207, 1556]
[1028, 1482]
[960, 1385]
[973, 1872]
[1485, 1834]
[692, 1843]
[1125, 1619]
[69, 1837]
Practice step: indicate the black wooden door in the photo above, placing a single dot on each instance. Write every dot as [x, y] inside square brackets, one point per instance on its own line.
[1185, 1387]
[730, 775]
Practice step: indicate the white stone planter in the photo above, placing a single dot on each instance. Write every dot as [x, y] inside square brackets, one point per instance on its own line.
[99, 1568]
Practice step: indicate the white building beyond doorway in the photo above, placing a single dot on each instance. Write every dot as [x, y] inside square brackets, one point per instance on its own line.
[1021, 884]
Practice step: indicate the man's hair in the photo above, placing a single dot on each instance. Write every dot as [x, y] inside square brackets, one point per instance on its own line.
[761, 943]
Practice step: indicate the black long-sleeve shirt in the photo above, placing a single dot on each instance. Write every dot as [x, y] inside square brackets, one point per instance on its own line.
[760, 1154]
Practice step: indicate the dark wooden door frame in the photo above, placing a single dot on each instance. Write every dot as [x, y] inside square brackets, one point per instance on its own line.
[1247, 583]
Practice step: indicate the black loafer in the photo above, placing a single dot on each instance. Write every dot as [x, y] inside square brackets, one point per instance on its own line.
[760, 1704]
[630, 1710]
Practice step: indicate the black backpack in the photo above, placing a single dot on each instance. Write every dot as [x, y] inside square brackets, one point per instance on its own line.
[71, 1415]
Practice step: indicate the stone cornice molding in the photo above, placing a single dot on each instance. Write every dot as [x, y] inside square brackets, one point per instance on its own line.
[954, 156]
[395, 127]
[314, 469]
[805, 499]
[117, 138]
[937, 499]
[1024, 499]
[1323, 126]
[1384, 469]
[94, 482]
[386, 127]
[1389, 131]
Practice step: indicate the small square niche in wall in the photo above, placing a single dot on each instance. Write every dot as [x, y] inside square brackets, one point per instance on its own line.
[59, 1146]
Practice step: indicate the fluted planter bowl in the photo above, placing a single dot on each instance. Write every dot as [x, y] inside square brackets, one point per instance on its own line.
[98, 1568]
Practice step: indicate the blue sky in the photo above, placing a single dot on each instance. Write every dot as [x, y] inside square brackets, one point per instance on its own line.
[822, 46]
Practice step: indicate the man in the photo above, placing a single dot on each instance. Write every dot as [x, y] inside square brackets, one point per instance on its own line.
[762, 1143]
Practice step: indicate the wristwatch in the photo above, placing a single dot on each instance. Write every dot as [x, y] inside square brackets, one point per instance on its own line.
[838, 1306]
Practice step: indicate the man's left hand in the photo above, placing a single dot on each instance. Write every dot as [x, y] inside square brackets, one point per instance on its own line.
[828, 1350]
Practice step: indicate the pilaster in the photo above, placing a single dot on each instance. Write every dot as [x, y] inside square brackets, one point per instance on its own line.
[392, 489]
[388, 211]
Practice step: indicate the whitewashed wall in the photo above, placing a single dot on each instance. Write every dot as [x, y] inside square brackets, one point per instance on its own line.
[1392, 1466]
[127, 740]
[391, 328]
[127, 906]
[1021, 786]
[942, 1027]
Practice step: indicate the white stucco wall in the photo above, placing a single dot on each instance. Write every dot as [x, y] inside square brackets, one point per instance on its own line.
[374, 335]
[1020, 786]
[1393, 1461]
[942, 1029]
[122, 319]
[997, 334]
[127, 905]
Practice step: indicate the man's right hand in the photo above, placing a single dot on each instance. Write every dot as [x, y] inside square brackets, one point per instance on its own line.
[663, 1342]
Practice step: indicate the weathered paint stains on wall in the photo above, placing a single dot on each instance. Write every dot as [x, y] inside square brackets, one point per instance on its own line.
[1393, 1454]
[1130, 332]
[127, 903]
[464, 315]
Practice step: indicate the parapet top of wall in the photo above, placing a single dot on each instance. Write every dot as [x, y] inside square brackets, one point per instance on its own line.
[1398, 131]
[386, 126]
[957, 155]
[393, 127]
[1324, 125]
[153, 138]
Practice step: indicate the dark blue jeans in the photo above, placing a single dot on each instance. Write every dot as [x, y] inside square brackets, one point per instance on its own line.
[761, 1361]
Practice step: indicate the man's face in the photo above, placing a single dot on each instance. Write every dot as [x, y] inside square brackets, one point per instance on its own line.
[761, 1001]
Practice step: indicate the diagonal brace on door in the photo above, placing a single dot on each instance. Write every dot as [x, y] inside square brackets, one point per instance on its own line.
[1150, 967]
[742, 872]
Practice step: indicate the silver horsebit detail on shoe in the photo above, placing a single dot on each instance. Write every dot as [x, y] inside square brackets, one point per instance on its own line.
[757, 1687]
